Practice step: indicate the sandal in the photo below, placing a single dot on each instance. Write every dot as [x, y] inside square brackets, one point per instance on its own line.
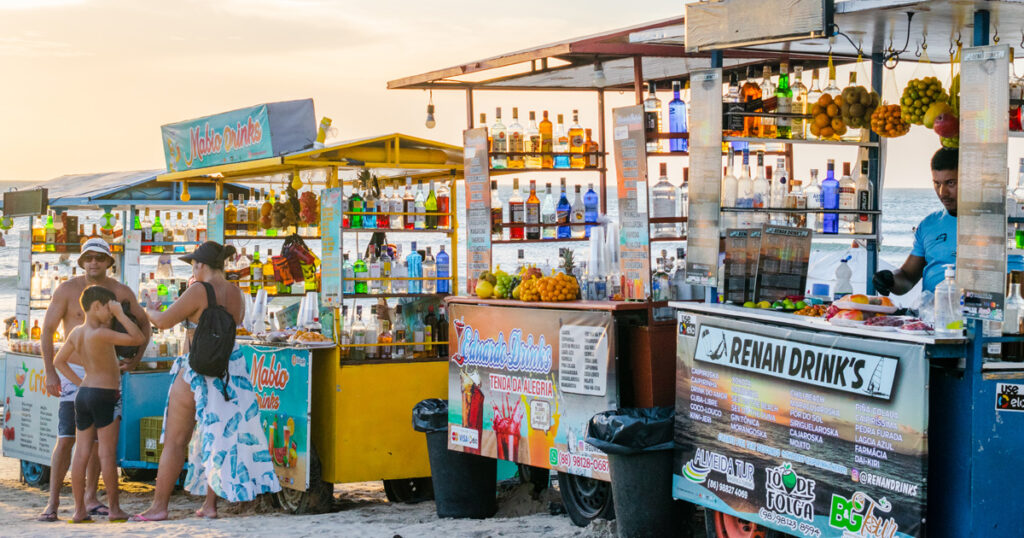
[86, 520]
[48, 517]
[99, 510]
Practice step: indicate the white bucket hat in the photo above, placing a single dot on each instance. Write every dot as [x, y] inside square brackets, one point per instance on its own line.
[95, 245]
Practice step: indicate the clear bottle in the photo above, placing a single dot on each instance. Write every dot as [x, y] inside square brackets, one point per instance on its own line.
[547, 214]
[532, 144]
[732, 95]
[395, 206]
[399, 272]
[414, 265]
[383, 208]
[418, 329]
[361, 272]
[578, 215]
[683, 199]
[358, 335]
[730, 192]
[813, 195]
[516, 211]
[832, 88]
[761, 190]
[497, 230]
[499, 143]
[661, 285]
[444, 271]
[1013, 316]
[750, 92]
[561, 144]
[799, 125]
[784, 98]
[515, 141]
[863, 186]
[677, 119]
[652, 119]
[814, 93]
[745, 192]
[796, 199]
[429, 273]
[370, 336]
[948, 318]
[373, 270]
[430, 205]
[663, 203]
[563, 212]
[444, 205]
[547, 143]
[385, 338]
[370, 209]
[421, 208]
[830, 199]
[780, 188]
[847, 199]
[532, 213]
[768, 126]
[591, 207]
[399, 351]
[843, 275]
[348, 286]
[577, 143]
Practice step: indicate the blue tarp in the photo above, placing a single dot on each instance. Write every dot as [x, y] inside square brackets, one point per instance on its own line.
[119, 188]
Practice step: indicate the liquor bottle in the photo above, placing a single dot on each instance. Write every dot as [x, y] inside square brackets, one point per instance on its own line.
[745, 191]
[370, 209]
[516, 211]
[386, 264]
[358, 335]
[515, 141]
[409, 205]
[561, 144]
[242, 214]
[547, 214]
[730, 191]
[663, 203]
[39, 236]
[421, 207]
[443, 205]
[830, 199]
[444, 271]
[370, 335]
[683, 199]
[429, 273]
[230, 216]
[1016, 92]
[832, 88]
[578, 215]
[267, 209]
[532, 144]
[751, 92]
[784, 100]
[255, 272]
[852, 134]
[36, 331]
[269, 279]
[496, 212]
[60, 236]
[430, 206]
[661, 286]
[814, 93]
[533, 213]
[499, 143]
[562, 214]
[863, 187]
[397, 206]
[652, 119]
[414, 265]
[798, 126]
[796, 199]
[441, 332]
[385, 338]
[847, 199]
[428, 332]
[399, 351]
[383, 209]
[483, 124]
[361, 271]
[521, 264]
[591, 206]
[51, 233]
[345, 338]
[106, 229]
[399, 272]
[780, 188]
[761, 191]
[732, 95]
[547, 143]
[355, 207]
[158, 233]
[813, 193]
[577, 142]
[252, 210]
[373, 269]
[677, 119]
[593, 151]
[418, 336]
[768, 125]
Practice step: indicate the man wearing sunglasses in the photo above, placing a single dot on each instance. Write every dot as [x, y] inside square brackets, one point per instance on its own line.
[66, 310]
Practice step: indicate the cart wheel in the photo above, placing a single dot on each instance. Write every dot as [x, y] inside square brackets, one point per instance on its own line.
[409, 490]
[319, 498]
[721, 525]
[539, 477]
[139, 475]
[585, 499]
[35, 474]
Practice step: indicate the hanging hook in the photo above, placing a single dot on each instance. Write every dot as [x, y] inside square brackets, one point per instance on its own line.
[952, 45]
[917, 49]
[995, 35]
[1022, 39]
[959, 35]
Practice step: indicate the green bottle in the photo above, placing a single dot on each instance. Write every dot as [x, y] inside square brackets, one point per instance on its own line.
[430, 205]
[158, 233]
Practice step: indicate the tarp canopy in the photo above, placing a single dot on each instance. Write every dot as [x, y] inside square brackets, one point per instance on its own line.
[123, 188]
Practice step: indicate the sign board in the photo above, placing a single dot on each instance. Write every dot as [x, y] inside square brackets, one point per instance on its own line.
[30, 202]
[330, 246]
[705, 200]
[783, 262]
[246, 134]
[981, 204]
[811, 434]
[30, 414]
[280, 378]
[132, 260]
[523, 383]
[630, 144]
[728, 24]
[23, 306]
[478, 205]
[215, 221]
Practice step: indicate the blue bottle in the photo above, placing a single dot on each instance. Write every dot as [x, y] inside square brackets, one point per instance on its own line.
[562, 212]
[415, 264]
[590, 205]
[830, 199]
[443, 271]
[677, 120]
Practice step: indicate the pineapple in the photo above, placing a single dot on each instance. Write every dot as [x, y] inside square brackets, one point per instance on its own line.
[568, 262]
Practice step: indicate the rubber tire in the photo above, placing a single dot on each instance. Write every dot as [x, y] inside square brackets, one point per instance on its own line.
[720, 525]
[139, 475]
[409, 490]
[585, 499]
[539, 477]
[35, 474]
[319, 498]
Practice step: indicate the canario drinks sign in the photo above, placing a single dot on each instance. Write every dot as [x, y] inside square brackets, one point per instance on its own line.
[241, 135]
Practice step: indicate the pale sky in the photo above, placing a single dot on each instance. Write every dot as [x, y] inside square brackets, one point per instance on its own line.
[87, 83]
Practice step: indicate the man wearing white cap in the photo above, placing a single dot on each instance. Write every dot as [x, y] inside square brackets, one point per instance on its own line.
[65, 310]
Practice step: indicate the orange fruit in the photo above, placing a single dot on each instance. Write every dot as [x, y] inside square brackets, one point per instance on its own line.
[821, 120]
[825, 100]
[826, 132]
[833, 110]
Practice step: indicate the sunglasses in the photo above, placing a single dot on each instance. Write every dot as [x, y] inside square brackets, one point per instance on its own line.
[93, 258]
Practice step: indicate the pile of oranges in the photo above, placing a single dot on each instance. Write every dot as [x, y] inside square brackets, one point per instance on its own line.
[888, 121]
[528, 289]
[559, 287]
[828, 122]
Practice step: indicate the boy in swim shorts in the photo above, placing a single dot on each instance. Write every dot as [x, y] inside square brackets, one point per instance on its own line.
[99, 391]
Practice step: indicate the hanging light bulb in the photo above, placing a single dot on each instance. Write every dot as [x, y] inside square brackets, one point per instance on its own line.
[185, 196]
[599, 79]
[430, 123]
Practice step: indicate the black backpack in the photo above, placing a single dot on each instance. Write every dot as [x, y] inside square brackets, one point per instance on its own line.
[213, 341]
[125, 352]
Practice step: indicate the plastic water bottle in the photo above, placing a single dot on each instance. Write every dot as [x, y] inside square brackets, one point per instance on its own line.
[948, 318]
[843, 275]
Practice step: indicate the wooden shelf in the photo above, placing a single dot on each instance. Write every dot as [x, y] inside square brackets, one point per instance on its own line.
[754, 140]
[507, 171]
[536, 241]
[397, 230]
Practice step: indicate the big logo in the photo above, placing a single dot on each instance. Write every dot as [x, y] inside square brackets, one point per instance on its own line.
[789, 493]
[856, 516]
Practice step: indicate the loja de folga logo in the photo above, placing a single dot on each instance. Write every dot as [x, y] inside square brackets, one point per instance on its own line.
[789, 493]
[862, 516]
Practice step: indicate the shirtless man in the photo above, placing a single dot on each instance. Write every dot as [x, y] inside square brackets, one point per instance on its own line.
[65, 310]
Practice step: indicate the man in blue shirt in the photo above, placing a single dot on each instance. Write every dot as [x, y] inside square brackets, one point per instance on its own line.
[935, 238]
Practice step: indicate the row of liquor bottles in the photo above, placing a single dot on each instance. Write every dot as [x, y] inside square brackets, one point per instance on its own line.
[387, 271]
[62, 232]
[540, 146]
[45, 279]
[525, 216]
[185, 228]
[424, 209]
[271, 273]
[272, 215]
[404, 332]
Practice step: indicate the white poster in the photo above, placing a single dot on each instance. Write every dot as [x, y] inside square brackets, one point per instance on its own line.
[30, 415]
[583, 359]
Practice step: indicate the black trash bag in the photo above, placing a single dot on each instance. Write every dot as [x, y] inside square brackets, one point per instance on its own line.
[632, 430]
[430, 415]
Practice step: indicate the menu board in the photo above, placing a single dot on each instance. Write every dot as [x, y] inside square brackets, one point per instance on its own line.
[330, 244]
[811, 434]
[132, 254]
[702, 238]
[742, 248]
[215, 221]
[981, 202]
[24, 298]
[783, 262]
[476, 167]
[630, 143]
[30, 414]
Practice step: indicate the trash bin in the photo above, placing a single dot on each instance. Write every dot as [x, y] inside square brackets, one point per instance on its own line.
[464, 484]
[639, 447]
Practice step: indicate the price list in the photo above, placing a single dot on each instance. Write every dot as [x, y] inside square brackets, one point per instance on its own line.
[330, 242]
[478, 204]
[705, 177]
[583, 359]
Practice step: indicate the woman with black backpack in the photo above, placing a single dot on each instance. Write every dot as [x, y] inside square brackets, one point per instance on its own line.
[227, 452]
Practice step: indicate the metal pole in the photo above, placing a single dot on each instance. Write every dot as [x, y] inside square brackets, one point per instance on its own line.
[602, 160]
[875, 178]
[638, 79]
[469, 108]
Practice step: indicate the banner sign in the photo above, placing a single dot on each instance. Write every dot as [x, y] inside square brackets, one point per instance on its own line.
[330, 245]
[30, 414]
[476, 166]
[809, 433]
[523, 384]
[705, 199]
[280, 378]
[630, 146]
[241, 135]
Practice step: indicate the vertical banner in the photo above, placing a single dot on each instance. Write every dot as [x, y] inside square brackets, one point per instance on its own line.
[215, 221]
[815, 435]
[30, 414]
[280, 378]
[630, 143]
[524, 382]
[705, 199]
[478, 205]
[981, 202]
[330, 245]
[22, 309]
[132, 252]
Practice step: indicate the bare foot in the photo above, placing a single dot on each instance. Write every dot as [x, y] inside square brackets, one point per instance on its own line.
[117, 515]
[151, 515]
[207, 512]
[80, 516]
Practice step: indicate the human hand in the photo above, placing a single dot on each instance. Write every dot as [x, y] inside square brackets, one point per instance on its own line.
[884, 282]
[115, 309]
[52, 383]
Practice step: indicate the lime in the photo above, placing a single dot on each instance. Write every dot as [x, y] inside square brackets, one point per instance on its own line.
[749, 304]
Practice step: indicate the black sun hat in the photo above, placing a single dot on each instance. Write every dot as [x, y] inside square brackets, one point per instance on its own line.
[209, 253]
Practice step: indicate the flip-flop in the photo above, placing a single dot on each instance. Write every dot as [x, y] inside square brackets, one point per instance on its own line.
[138, 518]
[118, 520]
[86, 520]
[99, 510]
[48, 517]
